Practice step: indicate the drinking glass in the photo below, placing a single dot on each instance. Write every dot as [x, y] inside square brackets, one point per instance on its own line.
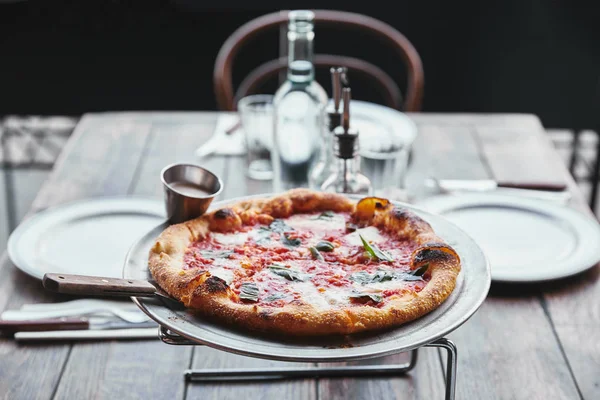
[387, 172]
[256, 115]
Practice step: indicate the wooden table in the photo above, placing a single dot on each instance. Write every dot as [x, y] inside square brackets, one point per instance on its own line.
[526, 341]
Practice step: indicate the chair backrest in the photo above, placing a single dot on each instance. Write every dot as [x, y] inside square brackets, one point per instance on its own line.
[222, 74]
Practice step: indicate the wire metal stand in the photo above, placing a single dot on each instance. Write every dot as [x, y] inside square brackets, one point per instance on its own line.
[362, 371]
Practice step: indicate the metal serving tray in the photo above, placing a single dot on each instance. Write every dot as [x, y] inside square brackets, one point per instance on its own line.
[471, 289]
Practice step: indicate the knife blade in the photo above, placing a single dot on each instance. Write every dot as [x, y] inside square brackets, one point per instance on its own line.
[490, 184]
[66, 323]
[108, 334]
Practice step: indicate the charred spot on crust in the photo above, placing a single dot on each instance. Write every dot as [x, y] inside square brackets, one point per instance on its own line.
[214, 284]
[400, 213]
[191, 277]
[379, 205]
[225, 219]
[443, 247]
[432, 255]
[224, 213]
[406, 216]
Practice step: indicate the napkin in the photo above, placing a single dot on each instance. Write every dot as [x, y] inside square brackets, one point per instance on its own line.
[221, 143]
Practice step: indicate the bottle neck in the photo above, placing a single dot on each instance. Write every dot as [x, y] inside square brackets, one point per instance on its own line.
[348, 166]
[300, 56]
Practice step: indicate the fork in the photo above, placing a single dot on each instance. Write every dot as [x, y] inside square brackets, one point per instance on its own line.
[78, 304]
[129, 316]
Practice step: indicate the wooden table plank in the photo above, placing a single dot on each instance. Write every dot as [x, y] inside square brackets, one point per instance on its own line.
[491, 364]
[425, 381]
[141, 369]
[100, 159]
[573, 307]
[574, 318]
[33, 371]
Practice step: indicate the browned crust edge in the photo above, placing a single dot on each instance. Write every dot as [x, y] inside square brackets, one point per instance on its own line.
[210, 296]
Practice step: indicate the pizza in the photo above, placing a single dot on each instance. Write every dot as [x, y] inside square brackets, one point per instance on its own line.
[306, 263]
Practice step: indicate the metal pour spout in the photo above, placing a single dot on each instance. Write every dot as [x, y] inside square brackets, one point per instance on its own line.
[346, 113]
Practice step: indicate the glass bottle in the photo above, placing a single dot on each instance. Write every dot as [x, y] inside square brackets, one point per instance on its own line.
[325, 164]
[299, 107]
[347, 177]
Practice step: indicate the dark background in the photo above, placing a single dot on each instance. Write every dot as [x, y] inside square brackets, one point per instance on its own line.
[68, 57]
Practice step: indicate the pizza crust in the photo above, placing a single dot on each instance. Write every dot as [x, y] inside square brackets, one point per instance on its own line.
[211, 296]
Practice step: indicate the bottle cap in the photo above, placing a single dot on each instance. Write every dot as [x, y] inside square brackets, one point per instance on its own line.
[346, 145]
[301, 20]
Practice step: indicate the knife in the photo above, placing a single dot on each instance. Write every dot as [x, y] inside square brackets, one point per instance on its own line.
[108, 334]
[490, 184]
[105, 286]
[55, 324]
[550, 192]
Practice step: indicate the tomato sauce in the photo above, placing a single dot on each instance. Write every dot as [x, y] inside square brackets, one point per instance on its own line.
[279, 261]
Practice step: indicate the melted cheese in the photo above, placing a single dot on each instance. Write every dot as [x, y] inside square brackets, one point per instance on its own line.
[311, 294]
[337, 296]
[370, 233]
[236, 238]
[315, 224]
[380, 286]
[225, 274]
[228, 263]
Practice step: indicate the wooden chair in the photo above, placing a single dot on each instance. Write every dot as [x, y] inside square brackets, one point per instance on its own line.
[222, 75]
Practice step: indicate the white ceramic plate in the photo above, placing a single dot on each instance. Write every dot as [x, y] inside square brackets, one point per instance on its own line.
[526, 240]
[87, 237]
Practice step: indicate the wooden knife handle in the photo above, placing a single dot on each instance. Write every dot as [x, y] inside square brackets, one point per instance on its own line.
[548, 187]
[97, 285]
[51, 324]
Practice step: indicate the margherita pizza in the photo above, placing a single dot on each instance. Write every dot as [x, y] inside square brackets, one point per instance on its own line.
[306, 263]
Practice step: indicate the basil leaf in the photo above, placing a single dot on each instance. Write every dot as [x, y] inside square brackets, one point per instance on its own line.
[315, 253]
[410, 278]
[420, 271]
[374, 251]
[383, 275]
[324, 245]
[274, 296]
[290, 242]
[279, 226]
[326, 215]
[249, 291]
[364, 277]
[214, 254]
[361, 277]
[365, 297]
[288, 273]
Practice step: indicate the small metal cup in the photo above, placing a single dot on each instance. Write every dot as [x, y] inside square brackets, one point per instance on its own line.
[182, 205]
